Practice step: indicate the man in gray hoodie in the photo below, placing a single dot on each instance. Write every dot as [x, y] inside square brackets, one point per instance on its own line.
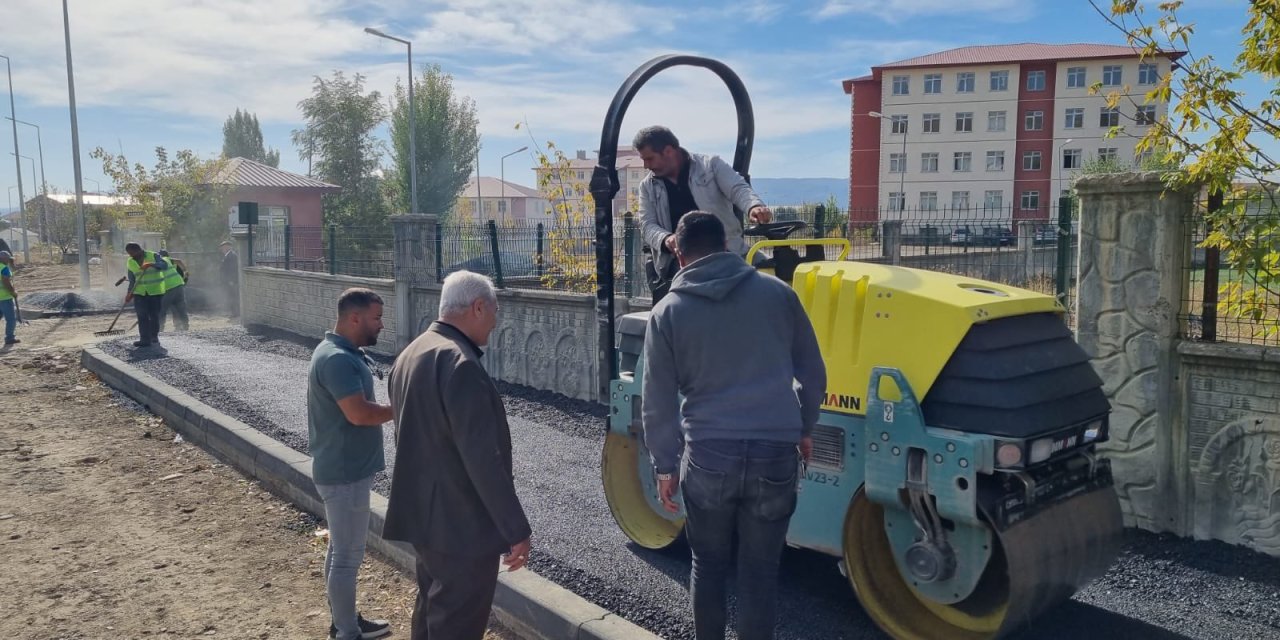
[738, 346]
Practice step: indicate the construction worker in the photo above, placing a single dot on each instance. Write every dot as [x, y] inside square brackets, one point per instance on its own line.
[229, 271]
[8, 298]
[175, 294]
[146, 291]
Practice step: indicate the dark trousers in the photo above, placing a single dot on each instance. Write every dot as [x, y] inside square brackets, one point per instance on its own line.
[743, 487]
[455, 595]
[175, 303]
[232, 293]
[148, 309]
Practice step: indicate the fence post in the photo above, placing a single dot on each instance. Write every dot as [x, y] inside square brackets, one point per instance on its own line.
[288, 245]
[538, 258]
[629, 253]
[1212, 262]
[1063, 271]
[497, 259]
[439, 252]
[891, 241]
[333, 250]
[819, 221]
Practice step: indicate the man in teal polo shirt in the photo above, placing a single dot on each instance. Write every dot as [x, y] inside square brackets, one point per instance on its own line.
[344, 428]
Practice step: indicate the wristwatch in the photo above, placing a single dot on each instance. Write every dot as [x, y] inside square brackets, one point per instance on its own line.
[664, 476]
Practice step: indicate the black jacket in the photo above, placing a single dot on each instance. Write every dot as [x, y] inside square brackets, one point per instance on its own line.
[229, 270]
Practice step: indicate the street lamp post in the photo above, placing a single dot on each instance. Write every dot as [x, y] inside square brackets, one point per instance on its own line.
[17, 162]
[902, 177]
[10, 224]
[75, 153]
[1061, 161]
[503, 174]
[26, 221]
[413, 137]
[44, 185]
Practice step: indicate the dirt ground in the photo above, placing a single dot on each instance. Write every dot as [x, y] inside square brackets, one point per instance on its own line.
[109, 528]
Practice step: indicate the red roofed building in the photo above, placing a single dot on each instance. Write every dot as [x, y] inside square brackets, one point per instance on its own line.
[1001, 127]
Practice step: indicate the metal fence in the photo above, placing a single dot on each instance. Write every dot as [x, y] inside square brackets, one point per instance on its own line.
[1224, 303]
[1032, 248]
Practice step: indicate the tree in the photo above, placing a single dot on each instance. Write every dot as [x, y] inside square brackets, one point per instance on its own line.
[1214, 136]
[242, 138]
[447, 141]
[180, 196]
[338, 137]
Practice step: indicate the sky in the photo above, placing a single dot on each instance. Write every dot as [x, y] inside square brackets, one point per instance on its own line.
[168, 73]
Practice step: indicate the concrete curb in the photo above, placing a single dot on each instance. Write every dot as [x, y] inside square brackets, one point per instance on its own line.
[525, 602]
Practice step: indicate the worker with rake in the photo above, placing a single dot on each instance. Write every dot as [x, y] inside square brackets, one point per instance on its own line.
[146, 289]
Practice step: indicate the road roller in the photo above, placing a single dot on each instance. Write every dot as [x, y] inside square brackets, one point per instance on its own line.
[955, 476]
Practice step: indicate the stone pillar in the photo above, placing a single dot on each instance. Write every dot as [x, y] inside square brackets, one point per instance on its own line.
[891, 241]
[1026, 230]
[1133, 247]
[415, 265]
[240, 238]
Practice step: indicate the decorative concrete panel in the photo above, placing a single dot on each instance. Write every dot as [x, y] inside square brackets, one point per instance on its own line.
[307, 303]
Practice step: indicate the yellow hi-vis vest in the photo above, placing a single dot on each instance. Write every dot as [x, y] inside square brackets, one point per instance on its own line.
[172, 279]
[5, 271]
[149, 282]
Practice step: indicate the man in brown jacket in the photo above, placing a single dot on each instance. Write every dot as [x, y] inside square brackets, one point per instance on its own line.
[452, 492]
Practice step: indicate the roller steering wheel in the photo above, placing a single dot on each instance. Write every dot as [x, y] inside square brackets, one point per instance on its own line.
[775, 230]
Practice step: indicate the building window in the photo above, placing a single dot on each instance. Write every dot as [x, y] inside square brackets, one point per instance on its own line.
[1108, 154]
[959, 199]
[999, 80]
[897, 201]
[1031, 200]
[1148, 74]
[582, 175]
[995, 120]
[502, 206]
[962, 161]
[1146, 114]
[964, 82]
[932, 122]
[1034, 121]
[1109, 117]
[1111, 75]
[995, 161]
[929, 162]
[1075, 77]
[1035, 81]
[993, 199]
[964, 122]
[899, 124]
[933, 83]
[901, 85]
[928, 200]
[1074, 118]
[635, 175]
[1031, 161]
[897, 163]
[1070, 158]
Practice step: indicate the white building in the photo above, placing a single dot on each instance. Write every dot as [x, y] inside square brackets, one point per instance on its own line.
[1001, 127]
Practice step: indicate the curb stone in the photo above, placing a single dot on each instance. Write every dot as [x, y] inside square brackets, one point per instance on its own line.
[525, 602]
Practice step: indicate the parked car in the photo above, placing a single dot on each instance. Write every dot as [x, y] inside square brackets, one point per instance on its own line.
[513, 265]
[997, 237]
[960, 235]
[1046, 234]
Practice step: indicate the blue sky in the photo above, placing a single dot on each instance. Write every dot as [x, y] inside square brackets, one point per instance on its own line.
[148, 76]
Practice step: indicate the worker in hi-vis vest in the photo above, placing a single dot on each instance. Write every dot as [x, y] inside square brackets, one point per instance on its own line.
[146, 290]
[175, 293]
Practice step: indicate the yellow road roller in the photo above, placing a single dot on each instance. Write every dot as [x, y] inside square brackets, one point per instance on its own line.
[954, 473]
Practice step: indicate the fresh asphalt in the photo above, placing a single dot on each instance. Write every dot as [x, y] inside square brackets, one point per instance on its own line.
[1161, 587]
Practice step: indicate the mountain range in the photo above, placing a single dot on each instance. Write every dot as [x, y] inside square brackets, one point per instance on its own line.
[793, 191]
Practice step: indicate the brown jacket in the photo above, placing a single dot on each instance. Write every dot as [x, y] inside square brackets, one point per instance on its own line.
[452, 489]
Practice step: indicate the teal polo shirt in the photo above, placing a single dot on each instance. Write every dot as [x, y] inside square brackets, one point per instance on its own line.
[341, 452]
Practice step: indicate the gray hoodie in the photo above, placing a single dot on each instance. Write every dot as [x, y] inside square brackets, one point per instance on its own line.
[738, 346]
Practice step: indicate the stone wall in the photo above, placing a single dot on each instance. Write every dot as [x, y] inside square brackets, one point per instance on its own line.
[1232, 403]
[307, 303]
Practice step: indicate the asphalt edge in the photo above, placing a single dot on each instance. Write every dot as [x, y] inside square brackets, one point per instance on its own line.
[525, 602]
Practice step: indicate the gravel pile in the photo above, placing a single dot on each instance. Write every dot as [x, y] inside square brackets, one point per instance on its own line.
[73, 302]
[1160, 587]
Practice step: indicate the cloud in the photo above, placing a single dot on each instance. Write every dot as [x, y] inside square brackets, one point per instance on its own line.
[899, 10]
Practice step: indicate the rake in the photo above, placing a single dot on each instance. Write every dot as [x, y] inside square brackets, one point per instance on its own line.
[112, 330]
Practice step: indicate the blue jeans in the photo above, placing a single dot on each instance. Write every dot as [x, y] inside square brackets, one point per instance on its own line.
[346, 509]
[747, 487]
[9, 311]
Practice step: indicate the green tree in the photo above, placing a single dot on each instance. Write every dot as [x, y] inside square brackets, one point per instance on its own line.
[339, 140]
[447, 141]
[180, 196]
[242, 138]
[1214, 134]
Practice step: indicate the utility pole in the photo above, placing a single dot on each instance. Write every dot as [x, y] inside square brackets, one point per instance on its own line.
[75, 153]
[17, 162]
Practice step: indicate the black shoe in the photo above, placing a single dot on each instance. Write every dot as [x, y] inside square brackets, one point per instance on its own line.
[140, 343]
[11, 341]
[369, 629]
